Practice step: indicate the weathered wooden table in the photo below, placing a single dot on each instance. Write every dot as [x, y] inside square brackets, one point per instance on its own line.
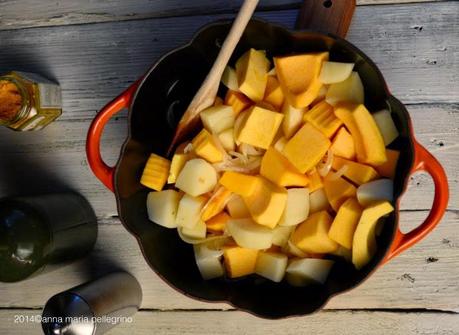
[95, 49]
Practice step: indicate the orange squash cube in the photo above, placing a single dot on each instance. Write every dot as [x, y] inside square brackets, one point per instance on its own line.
[216, 204]
[217, 224]
[276, 168]
[306, 148]
[338, 190]
[252, 74]
[343, 144]
[204, 146]
[239, 261]
[344, 224]
[388, 168]
[155, 173]
[239, 183]
[323, 118]
[273, 93]
[238, 101]
[299, 77]
[315, 180]
[356, 172]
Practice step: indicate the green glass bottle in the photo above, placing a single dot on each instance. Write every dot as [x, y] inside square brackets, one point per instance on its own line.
[37, 233]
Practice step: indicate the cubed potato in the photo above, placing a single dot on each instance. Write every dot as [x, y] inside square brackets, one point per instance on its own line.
[252, 74]
[229, 78]
[217, 223]
[369, 144]
[344, 253]
[204, 146]
[299, 77]
[312, 235]
[239, 261]
[189, 211]
[281, 235]
[293, 119]
[217, 118]
[259, 127]
[306, 148]
[162, 207]
[364, 241]
[335, 72]
[338, 190]
[271, 265]
[239, 183]
[386, 126]
[343, 144]
[249, 234]
[226, 138]
[273, 93]
[208, 261]
[374, 191]
[238, 101]
[267, 203]
[389, 167]
[306, 271]
[198, 231]
[344, 224]
[216, 203]
[350, 90]
[297, 207]
[197, 177]
[318, 201]
[237, 207]
[276, 168]
[356, 172]
[155, 173]
[323, 118]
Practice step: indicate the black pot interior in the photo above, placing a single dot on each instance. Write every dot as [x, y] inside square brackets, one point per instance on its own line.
[164, 95]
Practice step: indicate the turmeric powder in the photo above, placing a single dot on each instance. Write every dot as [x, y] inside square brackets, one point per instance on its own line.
[10, 100]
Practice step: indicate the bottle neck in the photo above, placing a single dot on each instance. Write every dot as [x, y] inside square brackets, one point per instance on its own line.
[14, 89]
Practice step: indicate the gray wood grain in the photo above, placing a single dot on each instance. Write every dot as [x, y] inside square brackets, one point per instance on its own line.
[34, 13]
[94, 63]
[424, 277]
[230, 323]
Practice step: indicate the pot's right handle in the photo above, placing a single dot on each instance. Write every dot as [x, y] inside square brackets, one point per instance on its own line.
[423, 161]
[326, 16]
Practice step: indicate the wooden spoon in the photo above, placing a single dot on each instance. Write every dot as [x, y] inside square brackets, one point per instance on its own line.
[205, 96]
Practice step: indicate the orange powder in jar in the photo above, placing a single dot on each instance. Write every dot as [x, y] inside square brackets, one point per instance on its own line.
[10, 100]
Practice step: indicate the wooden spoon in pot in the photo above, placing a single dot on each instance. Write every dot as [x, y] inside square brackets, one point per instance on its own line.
[205, 96]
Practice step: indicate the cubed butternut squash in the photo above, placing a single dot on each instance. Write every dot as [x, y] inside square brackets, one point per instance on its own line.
[338, 190]
[204, 146]
[323, 118]
[217, 223]
[311, 236]
[259, 127]
[369, 143]
[315, 180]
[388, 168]
[276, 168]
[239, 261]
[364, 241]
[306, 148]
[273, 93]
[238, 101]
[344, 224]
[356, 172]
[252, 74]
[343, 144]
[155, 173]
[216, 204]
[239, 183]
[267, 203]
[299, 77]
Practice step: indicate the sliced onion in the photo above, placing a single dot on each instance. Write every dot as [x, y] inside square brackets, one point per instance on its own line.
[338, 174]
[250, 150]
[324, 168]
[242, 158]
[250, 167]
[188, 148]
[209, 239]
[219, 145]
[238, 124]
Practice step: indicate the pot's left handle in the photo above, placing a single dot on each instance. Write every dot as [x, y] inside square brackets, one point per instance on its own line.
[101, 170]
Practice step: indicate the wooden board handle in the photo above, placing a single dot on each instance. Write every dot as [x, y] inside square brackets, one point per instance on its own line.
[326, 16]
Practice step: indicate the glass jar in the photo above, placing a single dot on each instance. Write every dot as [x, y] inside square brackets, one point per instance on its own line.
[28, 101]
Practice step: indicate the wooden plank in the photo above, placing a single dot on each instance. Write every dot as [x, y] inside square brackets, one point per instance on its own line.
[57, 157]
[94, 63]
[66, 12]
[226, 323]
[425, 276]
